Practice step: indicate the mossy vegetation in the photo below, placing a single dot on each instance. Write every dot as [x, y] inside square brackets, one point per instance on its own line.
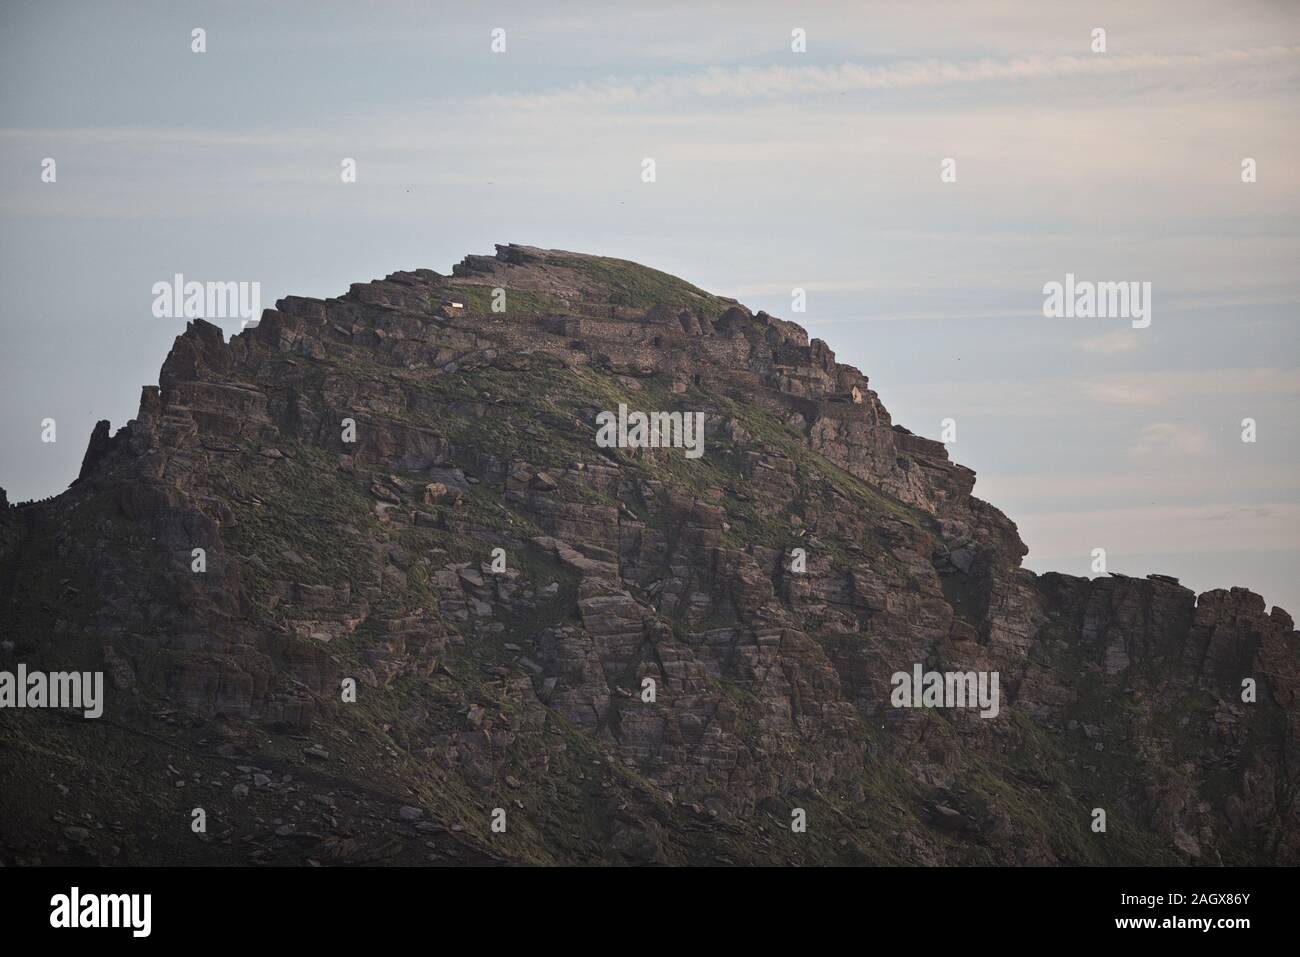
[631, 284]
[298, 519]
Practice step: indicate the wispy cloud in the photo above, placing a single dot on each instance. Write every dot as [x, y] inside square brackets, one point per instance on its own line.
[1022, 493]
[1021, 397]
[1271, 64]
[1163, 387]
[1165, 440]
[1192, 529]
[1112, 343]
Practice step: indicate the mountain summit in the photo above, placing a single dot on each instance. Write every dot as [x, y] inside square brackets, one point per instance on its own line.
[428, 573]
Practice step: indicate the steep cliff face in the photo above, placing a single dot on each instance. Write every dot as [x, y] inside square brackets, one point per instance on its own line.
[350, 468]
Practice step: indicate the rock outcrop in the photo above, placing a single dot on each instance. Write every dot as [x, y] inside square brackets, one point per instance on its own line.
[616, 647]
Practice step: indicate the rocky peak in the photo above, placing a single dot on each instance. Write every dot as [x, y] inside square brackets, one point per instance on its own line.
[401, 487]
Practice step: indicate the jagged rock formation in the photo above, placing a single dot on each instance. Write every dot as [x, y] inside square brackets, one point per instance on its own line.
[347, 468]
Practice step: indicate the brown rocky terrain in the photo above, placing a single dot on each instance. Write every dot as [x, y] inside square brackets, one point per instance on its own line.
[348, 467]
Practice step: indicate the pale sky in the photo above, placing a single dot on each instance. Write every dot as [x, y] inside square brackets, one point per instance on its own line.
[775, 170]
